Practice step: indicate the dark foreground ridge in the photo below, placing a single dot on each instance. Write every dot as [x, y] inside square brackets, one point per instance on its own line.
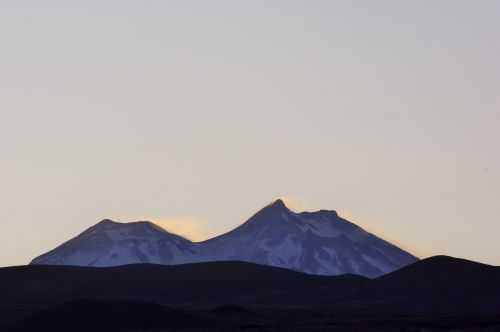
[436, 294]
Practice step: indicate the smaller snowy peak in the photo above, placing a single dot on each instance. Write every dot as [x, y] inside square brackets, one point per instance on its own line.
[142, 225]
[111, 243]
[112, 223]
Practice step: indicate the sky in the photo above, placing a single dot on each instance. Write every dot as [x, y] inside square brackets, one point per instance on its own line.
[196, 114]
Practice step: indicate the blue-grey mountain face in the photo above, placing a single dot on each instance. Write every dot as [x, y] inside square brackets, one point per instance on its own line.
[109, 243]
[312, 242]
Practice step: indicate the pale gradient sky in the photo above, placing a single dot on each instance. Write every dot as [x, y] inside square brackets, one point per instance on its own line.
[198, 113]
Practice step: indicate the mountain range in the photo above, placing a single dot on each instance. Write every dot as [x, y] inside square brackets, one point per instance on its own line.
[319, 243]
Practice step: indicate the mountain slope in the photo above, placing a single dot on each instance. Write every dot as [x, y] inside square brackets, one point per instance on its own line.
[312, 242]
[109, 243]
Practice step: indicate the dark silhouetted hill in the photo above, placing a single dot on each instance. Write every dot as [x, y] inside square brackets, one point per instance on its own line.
[232, 295]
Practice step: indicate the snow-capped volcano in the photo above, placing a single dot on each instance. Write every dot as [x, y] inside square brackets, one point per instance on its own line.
[313, 242]
[110, 243]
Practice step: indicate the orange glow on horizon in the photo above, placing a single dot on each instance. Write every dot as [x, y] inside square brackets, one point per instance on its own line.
[190, 228]
[293, 203]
